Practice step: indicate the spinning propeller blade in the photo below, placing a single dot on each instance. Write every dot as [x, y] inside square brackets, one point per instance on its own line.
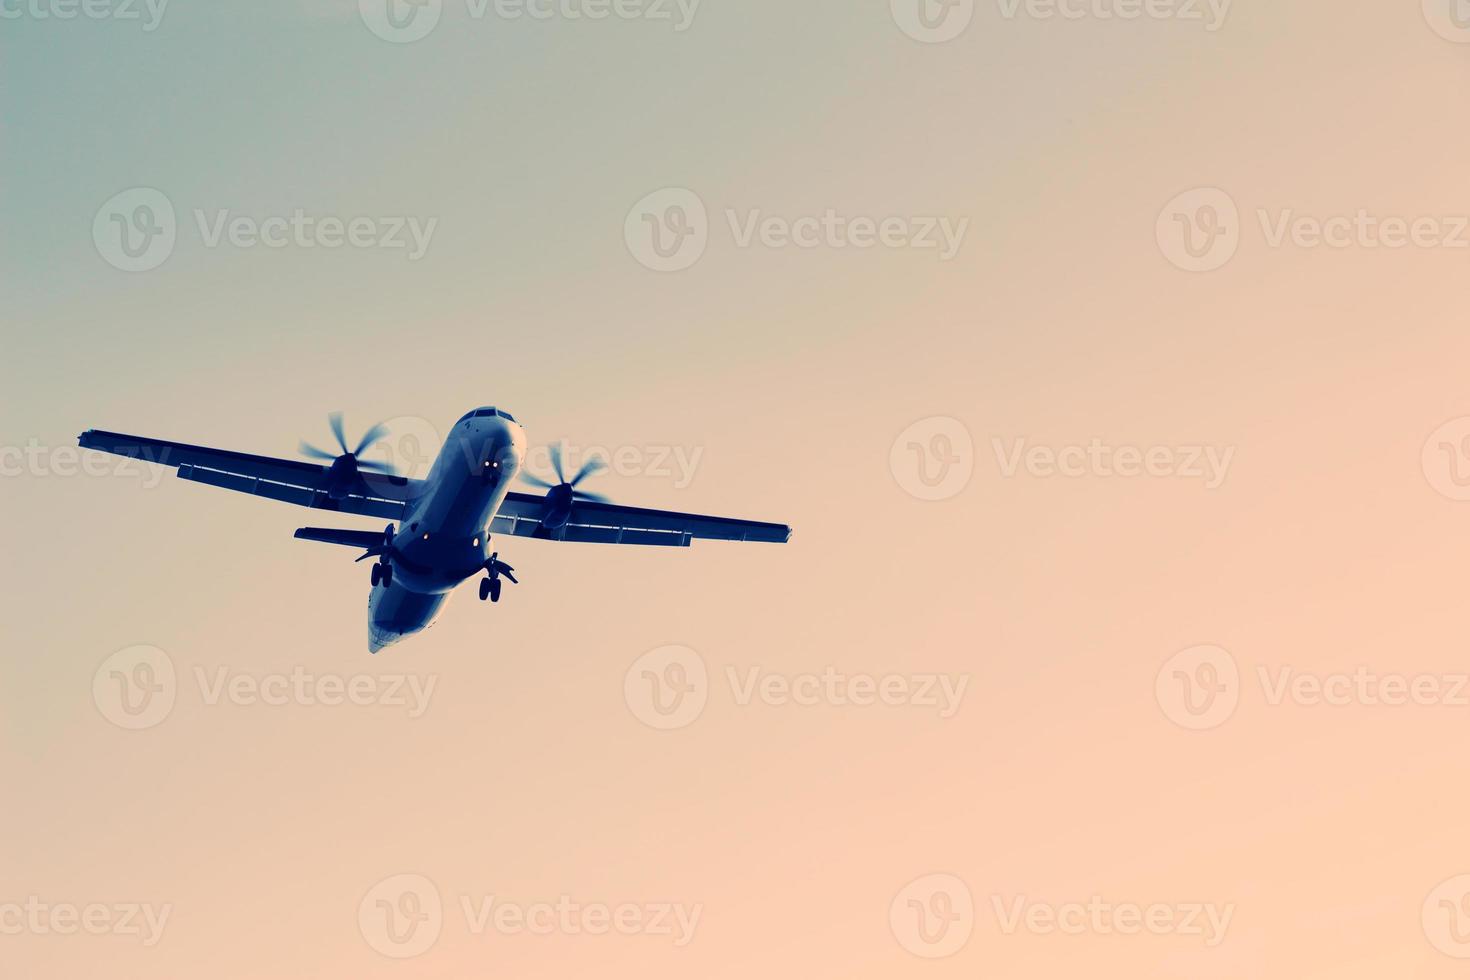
[335, 421]
[593, 465]
[347, 461]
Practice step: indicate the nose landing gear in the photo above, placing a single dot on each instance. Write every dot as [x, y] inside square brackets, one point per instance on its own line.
[490, 584]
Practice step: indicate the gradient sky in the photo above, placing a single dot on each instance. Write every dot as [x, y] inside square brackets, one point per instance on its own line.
[1329, 547]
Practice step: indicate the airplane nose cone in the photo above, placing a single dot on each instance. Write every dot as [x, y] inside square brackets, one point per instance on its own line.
[378, 639]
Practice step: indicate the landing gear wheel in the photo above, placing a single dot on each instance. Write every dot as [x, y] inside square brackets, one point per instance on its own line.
[377, 575]
[387, 576]
[495, 590]
[484, 589]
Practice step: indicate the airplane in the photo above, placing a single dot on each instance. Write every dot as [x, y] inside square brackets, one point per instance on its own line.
[444, 523]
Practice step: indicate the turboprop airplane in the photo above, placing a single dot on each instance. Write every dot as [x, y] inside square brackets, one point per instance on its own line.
[443, 524]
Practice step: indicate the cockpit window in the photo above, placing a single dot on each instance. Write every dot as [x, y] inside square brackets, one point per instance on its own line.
[489, 413]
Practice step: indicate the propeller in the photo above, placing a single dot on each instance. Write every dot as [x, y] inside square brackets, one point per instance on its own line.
[557, 510]
[567, 487]
[343, 475]
[368, 440]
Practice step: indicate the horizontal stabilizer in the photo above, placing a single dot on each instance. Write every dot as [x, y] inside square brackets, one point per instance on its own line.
[366, 540]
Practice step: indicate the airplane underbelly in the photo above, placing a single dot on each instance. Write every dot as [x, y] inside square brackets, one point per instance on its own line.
[396, 612]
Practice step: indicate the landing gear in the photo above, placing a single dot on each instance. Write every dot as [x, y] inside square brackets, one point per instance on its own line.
[382, 571]
[490, 584]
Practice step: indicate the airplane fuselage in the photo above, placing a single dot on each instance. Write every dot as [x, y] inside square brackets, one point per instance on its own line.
[444, 538]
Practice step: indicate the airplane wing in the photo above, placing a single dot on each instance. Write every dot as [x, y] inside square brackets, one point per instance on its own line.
[598, 523]
[288, 480]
